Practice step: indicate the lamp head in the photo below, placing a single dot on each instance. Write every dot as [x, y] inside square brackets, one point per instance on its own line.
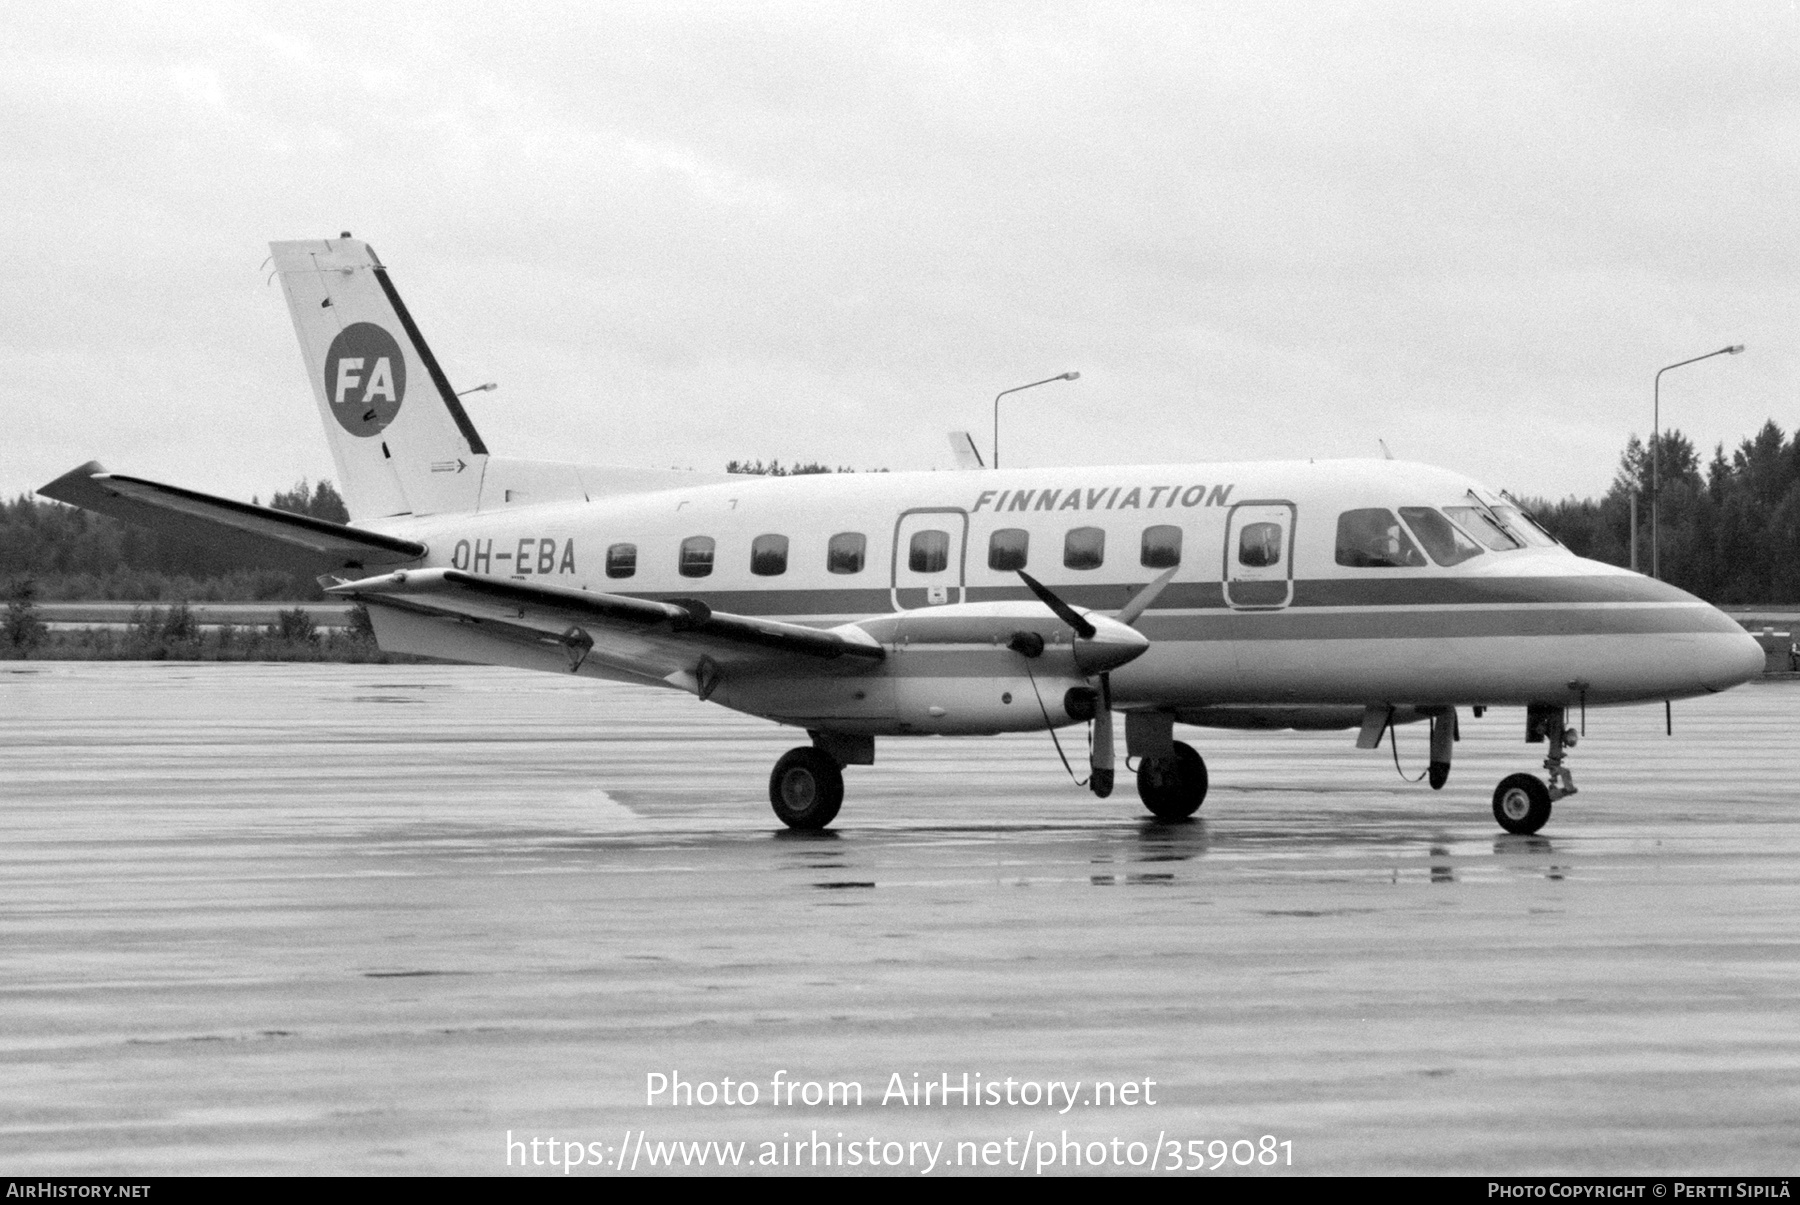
[1734, 349]
[1075, 376]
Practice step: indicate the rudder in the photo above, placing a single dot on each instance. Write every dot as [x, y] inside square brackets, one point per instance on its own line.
[399, 436]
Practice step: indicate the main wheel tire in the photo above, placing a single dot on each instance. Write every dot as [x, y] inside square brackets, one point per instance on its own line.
[1522, 803]
[1173, 788]
[806, 788]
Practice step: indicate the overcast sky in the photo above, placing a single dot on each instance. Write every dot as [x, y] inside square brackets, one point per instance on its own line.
[678, 234]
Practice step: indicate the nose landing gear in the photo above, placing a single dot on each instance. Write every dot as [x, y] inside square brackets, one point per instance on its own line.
[1521, 801]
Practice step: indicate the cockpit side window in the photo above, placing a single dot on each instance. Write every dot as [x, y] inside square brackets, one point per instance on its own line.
[1472, 520]
[1442, 540]
[1373, 539]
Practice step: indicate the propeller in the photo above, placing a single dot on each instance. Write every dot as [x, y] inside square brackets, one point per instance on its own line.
[1063, 610]
[1102, 650]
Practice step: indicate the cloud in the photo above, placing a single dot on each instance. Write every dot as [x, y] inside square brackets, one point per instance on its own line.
[679, 234]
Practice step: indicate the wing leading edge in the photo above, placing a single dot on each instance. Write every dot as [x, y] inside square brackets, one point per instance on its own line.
[681, 641]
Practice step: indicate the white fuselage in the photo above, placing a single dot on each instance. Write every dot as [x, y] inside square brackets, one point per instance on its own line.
[1262, 619]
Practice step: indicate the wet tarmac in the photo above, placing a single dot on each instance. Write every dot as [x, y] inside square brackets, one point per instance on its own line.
[354, 919]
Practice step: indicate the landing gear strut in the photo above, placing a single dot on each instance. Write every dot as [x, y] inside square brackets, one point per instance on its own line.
[1522, 802]
[1173, 788]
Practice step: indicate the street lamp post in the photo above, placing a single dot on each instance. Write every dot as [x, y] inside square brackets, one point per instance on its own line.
[1656, 443]
[1065, 376]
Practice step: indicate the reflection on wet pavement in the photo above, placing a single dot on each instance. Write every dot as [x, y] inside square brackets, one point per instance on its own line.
[267, 918]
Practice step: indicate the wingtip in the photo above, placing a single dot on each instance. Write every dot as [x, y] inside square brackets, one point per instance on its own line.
[74, 477]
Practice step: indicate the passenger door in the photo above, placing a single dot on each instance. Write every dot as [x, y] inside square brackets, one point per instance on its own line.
[1259, 556]
[929, 547]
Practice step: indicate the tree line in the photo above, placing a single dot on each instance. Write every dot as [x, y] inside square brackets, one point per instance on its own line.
[1729, 531]
[69, 553]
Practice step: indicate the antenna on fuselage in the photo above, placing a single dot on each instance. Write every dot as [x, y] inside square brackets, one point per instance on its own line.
[1386, 455]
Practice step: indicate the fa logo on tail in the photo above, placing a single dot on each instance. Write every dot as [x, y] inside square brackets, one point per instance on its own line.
[365, 378]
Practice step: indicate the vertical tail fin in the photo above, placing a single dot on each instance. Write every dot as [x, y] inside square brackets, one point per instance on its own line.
[400, 439]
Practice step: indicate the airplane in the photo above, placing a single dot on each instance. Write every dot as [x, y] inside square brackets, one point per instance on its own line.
[1303, 595]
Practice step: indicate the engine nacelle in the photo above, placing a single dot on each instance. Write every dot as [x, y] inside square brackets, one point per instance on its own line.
[968, 669]
[982, 668]
[982, 705]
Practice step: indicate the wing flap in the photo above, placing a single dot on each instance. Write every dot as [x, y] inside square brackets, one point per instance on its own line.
[641, 634]
[260, 532]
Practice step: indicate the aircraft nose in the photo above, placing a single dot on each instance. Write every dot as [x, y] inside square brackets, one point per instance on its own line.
[1742, 661]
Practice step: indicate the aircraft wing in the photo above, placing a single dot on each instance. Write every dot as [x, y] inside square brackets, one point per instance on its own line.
[682, 641]
[261, 532]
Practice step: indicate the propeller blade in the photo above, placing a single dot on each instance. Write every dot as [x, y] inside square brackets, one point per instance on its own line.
[1063, 610]
[1100, 761]
[1140, 602]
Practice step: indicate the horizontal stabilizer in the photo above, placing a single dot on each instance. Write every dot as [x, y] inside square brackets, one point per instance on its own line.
[257, 532]
[639, 634]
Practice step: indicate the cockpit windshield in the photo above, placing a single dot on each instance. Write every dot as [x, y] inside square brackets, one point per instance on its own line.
[1442, 540]
[1521, 524]
[1475, 521]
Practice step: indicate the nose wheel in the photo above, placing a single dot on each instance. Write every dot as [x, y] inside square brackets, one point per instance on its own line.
[1522, 801]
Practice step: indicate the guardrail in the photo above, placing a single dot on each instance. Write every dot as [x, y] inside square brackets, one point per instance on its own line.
[206, 614]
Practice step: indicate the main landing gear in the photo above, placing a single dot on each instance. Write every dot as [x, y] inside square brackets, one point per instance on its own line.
[1522, 801]
[807, 788]
[1173, 788]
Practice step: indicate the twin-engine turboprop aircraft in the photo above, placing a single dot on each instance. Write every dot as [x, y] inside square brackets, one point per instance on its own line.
[1347, 594]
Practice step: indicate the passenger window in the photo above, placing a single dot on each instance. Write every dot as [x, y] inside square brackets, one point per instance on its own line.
[930, 552]
[1374, 539]
[1259, 545]
[621, 560]
[768, 556]
[1007, 548]
[1084, 548]
[1471, 520]
[845, 552]
[1442, 540]
[1162, 547]
[696, 556]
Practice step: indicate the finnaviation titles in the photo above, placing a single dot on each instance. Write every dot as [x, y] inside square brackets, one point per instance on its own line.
[1115, 497]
